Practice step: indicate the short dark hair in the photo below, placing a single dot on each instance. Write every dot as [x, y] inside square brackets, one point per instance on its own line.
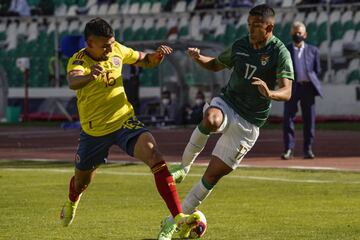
[262, 10]
[98, 27]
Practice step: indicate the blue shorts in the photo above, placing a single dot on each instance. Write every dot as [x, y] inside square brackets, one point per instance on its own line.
[93, 151]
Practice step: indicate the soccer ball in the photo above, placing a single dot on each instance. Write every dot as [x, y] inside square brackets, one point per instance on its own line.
[199, 230]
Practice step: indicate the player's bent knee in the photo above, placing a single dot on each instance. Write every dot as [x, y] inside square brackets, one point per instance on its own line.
[213, 120]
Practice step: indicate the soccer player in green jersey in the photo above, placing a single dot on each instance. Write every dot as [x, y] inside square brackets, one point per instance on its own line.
[258, 61]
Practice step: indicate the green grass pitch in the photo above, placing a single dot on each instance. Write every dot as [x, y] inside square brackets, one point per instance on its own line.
[122, 203]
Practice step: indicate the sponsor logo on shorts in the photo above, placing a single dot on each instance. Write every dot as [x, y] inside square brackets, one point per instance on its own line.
[241, 152]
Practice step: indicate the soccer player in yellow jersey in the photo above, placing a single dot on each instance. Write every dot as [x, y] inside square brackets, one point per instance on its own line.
[107, 118]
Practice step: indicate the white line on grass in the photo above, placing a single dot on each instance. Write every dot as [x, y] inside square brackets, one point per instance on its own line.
[189, 175]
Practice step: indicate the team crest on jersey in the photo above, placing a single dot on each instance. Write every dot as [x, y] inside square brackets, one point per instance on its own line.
[264, 59]
[116, 61]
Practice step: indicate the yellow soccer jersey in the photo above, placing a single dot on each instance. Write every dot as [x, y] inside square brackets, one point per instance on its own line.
[102, 103]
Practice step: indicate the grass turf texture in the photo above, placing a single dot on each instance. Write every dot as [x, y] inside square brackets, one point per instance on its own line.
[339, 126]
[122, 203]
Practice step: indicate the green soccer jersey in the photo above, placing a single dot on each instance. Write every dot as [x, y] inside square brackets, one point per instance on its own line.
[270, 63]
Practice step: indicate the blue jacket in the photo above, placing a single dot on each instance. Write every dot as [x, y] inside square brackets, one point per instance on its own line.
[312, 65]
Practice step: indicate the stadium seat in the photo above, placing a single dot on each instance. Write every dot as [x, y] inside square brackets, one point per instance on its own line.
[134, 8]
[3, 26]
[60, 10]
[286, 28]
[336, 49]
[324, 49]
[356, 20]
[340, 77]
[145, 8]
[155, 8]
[336, 26]
[241, 26]
[287, 3]
[33, 31]
[172, 26]
[353, 74]
[310, 18]
[220, 34]
[11, 36]
[2, 37]
[278, 22]
[91, 3]
[311, 28]
[205, 22]
[113, 9]
[180, 7]
[322, 28]
[357, 37]
[63, 27]
[74, 27]
[183, 31]
[127, 33]
[22, 28]
[115, 23]
[216, 21]
[93, 10]
[300, 16]
[81, 3]
[137, 28]
[161, 33]
[191, 6]
[347, 21]
[349, 36]
[194, 30]
[103, 9]
[72, 10]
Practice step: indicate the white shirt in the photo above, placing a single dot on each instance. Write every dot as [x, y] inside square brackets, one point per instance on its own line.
[299, 64]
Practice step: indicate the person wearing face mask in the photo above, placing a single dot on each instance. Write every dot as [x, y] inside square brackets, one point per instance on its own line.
[197, 109]
[306, 87]
[168, 108]
[194, 114]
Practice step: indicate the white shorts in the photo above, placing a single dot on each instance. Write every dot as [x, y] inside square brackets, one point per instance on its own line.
[238, 135]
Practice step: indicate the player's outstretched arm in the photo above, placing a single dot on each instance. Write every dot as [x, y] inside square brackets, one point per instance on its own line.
[206, 62]
[77, 79]
[283, 93]
[151, 60]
